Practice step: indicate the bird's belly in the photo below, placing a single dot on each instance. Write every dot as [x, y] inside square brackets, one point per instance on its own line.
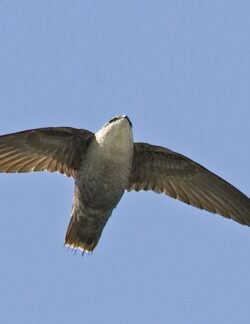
[101, 185]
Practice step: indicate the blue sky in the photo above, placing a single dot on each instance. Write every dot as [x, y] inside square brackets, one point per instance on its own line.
[181, 71]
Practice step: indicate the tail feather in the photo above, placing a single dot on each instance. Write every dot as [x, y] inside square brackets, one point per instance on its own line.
[85, 229]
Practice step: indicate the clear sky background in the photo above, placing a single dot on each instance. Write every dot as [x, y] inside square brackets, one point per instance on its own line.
[181, 71]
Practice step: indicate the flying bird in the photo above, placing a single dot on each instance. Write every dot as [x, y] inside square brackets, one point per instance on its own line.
[105, 164]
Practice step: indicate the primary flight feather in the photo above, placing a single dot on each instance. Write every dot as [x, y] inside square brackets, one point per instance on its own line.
[105, 164]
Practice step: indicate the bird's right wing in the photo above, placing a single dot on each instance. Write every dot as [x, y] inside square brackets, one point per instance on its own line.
[51, 149]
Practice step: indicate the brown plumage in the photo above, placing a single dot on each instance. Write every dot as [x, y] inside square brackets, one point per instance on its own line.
[105, 163]
[164, 171]
[44, 149]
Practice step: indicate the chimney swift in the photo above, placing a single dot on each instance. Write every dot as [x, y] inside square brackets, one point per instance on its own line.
[105, 164]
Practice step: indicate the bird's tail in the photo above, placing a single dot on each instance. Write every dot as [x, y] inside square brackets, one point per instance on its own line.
[85, 228]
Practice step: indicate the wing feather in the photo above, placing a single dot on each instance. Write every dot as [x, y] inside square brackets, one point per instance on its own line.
[162, 170]
[52, 149]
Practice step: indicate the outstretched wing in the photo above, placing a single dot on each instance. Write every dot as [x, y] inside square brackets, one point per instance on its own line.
[51, 149]
[164, 171]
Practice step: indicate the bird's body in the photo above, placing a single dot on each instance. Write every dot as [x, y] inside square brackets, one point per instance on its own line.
[107, 163]
[100, 183]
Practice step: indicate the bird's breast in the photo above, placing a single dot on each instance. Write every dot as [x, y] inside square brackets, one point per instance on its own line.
[104, 175]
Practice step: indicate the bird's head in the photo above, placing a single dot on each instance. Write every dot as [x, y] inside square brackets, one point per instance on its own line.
[118, 131]
[118, 120]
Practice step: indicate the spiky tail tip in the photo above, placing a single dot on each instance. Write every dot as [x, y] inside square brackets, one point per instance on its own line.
[80, 238]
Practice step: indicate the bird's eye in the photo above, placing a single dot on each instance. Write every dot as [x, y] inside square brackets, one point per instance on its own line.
[113, 119]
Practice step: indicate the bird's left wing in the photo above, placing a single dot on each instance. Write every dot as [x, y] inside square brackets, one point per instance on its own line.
[164, 171]
[51, 149]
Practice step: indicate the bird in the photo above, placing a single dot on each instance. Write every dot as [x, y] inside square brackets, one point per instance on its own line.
[106, 163]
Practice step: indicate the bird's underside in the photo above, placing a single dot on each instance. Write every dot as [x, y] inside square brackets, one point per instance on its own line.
[155, 168]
